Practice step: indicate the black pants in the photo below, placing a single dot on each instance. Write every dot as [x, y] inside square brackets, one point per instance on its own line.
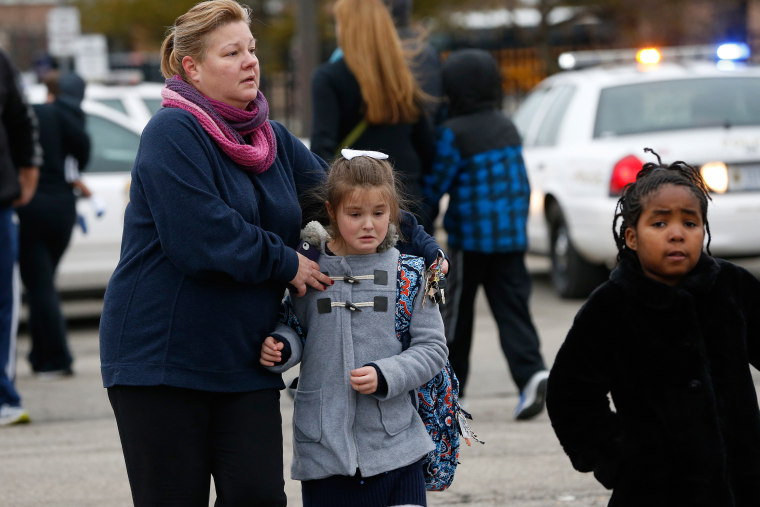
[174, 440]
[44, 235]
[507, 286]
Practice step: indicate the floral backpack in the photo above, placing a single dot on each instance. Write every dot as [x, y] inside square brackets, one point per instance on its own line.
[438, 399]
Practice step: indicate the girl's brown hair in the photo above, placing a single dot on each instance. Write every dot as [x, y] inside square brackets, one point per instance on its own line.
[189, 35]
[362, 173]
[373, 52]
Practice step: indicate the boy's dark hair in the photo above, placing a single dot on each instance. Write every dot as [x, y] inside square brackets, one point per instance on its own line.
[651, 177]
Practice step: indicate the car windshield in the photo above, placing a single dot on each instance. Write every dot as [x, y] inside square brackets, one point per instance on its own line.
[113, 146]
[678, 104]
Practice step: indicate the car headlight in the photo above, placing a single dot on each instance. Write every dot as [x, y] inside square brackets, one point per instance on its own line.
[715, 175]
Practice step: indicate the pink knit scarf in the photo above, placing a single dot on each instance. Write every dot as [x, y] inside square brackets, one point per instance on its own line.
[228, 125]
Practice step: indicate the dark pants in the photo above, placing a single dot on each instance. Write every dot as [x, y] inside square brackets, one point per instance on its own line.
[45, 231]
[174, 440]
[507, 286]
[9, 307]
[402, 486]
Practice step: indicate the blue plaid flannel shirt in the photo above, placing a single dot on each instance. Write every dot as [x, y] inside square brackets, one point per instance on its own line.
[489, 195]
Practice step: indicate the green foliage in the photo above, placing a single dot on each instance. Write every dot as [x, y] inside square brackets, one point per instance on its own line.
[123, 20]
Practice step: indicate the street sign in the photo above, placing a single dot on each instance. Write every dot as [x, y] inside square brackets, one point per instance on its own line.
[63, 30]
[91, 60]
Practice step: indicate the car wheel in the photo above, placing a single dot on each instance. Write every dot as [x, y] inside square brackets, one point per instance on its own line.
[572, 275]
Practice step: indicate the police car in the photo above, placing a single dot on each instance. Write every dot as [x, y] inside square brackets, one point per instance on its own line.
[584, 132]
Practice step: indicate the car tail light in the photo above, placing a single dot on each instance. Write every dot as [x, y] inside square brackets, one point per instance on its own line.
[623, 173]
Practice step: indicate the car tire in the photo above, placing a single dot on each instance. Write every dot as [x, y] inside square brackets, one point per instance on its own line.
[572, 275]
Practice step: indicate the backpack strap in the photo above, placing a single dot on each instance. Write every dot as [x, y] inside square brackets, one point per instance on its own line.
[352, 136]
[288, 317]
[411, 270]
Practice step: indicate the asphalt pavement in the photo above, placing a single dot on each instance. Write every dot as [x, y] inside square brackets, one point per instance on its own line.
[70, 454]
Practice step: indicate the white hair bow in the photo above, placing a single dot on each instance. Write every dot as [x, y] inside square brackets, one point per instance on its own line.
[349, 154]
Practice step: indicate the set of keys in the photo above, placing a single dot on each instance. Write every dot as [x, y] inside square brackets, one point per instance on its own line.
[435, 287]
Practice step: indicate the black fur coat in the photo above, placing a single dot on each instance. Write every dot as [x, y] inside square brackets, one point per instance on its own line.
[685, 427]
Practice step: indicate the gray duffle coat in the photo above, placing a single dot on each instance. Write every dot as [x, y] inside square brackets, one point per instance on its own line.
[336, 430]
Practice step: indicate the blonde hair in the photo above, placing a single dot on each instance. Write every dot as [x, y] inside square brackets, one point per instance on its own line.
[189, 35]
[362, 173]
[373, 52]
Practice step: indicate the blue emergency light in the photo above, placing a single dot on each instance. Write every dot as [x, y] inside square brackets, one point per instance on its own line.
[732, 51]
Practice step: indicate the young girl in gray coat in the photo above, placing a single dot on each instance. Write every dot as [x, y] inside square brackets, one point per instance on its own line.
[357, 436]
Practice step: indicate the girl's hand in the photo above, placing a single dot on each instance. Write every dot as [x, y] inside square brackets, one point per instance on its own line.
[271, 351]
[308, 274]
[364, 379]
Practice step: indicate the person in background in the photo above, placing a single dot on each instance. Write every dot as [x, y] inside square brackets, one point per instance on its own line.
[425, 63]
[352, 362]
[208, 248]
[20, 157]
[479, 164]
[669, 340]
[47, 221]
[369, 99]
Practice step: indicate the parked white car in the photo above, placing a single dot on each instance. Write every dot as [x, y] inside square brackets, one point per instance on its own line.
[584, 134]
[138, 101]
[116, 116]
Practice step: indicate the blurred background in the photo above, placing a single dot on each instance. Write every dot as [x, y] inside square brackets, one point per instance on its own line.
[118, 40]
[583, 130]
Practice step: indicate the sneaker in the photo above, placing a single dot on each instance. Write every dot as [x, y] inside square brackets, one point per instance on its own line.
[13, 415]
[532, 398]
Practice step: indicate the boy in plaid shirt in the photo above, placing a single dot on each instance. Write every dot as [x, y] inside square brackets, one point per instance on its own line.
[479, 164]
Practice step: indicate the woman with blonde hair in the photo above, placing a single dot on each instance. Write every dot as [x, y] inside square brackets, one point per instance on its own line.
[369, 99]
[209, 246]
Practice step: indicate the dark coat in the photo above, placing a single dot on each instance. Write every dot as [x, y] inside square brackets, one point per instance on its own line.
[62, 134]
[18, 132]
[685, 429]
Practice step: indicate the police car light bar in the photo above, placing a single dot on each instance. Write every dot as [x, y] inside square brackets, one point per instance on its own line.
[582, 59]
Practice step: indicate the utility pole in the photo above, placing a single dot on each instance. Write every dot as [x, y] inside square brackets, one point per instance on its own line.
[307, 59]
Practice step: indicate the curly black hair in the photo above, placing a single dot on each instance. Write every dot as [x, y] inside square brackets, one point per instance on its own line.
[651, 177]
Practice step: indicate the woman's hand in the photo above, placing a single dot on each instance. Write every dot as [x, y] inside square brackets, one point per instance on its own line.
[364, 379]
[271, 351]
[308, 274]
